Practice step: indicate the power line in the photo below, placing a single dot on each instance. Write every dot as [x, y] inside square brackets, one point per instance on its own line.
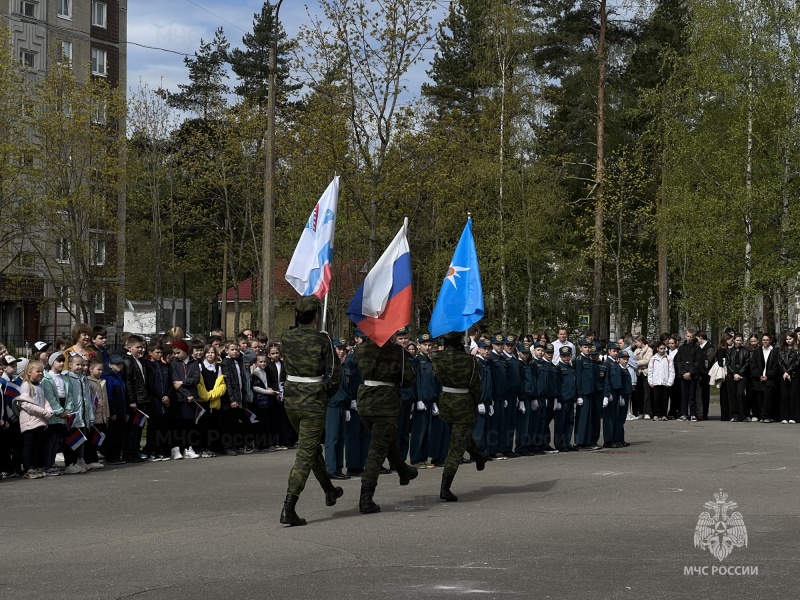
[217, 16]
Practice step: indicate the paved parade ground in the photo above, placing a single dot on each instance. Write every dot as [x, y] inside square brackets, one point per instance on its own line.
[607, 524]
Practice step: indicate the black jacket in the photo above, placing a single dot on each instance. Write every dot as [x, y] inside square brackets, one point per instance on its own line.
[688, 359]
[773, 369]
[135, 381]
[789, 360]
[158, 386]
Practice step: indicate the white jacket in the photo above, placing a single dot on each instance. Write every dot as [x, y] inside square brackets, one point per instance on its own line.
[660, 371]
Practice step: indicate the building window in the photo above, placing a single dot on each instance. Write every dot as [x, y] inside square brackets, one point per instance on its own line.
[66, 53]
[27, 8]
[97, 247]
[99, 112]
[64, 9]
[63, 297]
[99, 62]
[100, 302]
[99, 14]
[27, 58]
[62, 250]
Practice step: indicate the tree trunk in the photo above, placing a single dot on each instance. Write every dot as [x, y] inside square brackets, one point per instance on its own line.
[747, 308]
[597, 276]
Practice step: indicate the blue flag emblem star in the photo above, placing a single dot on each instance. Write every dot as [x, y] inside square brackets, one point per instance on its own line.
[460, 302]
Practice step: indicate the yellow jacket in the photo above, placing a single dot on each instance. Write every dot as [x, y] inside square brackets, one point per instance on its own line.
[214, 396]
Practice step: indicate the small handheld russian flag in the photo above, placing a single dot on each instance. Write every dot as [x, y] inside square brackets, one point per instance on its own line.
[98, 437]
[199, 411]
[139, 419]
[71, 419]
[75, 439]
[95, 401]
[252, 415]
[12, 390]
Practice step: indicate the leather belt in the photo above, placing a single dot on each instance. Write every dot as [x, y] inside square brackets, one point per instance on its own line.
[297, 379]
[373, 383]
[451, 390]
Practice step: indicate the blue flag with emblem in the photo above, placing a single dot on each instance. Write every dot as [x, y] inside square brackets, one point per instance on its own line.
[460, 302]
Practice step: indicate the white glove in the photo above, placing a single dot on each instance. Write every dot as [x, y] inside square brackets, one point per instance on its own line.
[481, 409]
[353, 405]
[421, 405]
[435, 411]
[622, 401]
[605, 402]
[346, 415]
[557, 406]
[535, 405]
[505, 403]
[580, 401]
[491, 410]
[522, 406]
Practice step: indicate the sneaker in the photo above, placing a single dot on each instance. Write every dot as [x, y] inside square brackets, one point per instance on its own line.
[754, 420]
[73, 470]
[281, 448]
[785, 422]
[245, 450]
[420, 465]
[190, 453]
[207, 454]
[95, 465]
[155, 458]
[33, 474]
[792, 421]
[647, 417]
[693, 419]
[83, 466]
[52, 472]
[231, 452]
[682, 419]
[176, 454]
[630, 418]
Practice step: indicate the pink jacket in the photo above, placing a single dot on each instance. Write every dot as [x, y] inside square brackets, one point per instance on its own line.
[34, 410]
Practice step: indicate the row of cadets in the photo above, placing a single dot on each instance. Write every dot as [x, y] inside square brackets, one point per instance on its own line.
[549, 399]
[524, 412]
[514, 381]
[565, 409]
[587, 410]
[497, 365]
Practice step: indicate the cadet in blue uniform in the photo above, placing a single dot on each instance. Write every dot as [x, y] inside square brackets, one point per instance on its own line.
[514, 391]
[611, 405]
[485, 408]
[407, 400]
[494, 429]
[601, 393]
[336, 418]
[536, 370]
[584, 377]
[357, 436]
[551, 393]
[625, 398]
[565, 407]
[425, 397]
[523, 442]
[438, 428]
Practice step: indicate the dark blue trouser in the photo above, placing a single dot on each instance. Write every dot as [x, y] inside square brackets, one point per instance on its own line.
[335, 427]
[509, 423]
[564, 421]
[583, 427]
[689, 406]
[597, 412]
[622, 415]
[548, 418]
[523, 424]
[404, 427]
[610, 419]
[438, 438]
[534, 425]
[419, 448]
[494, 428]
[479, 430]
[356, 442]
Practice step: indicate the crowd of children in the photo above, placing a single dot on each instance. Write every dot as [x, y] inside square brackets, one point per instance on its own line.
[166, 399]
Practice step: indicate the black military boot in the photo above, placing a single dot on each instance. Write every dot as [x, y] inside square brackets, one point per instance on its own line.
[288, 514]
[480, 461]
[444, 491]
[406, 473]
[365, 503]
[332, 494]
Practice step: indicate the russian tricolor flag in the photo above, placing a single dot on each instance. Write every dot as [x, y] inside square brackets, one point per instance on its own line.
[309, 271]
[382, 304]
[75, 439]
[139, 418]
[98, 437]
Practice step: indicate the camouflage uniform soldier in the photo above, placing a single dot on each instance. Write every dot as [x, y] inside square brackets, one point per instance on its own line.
[385, 369]
[459, 375]
[313, 373]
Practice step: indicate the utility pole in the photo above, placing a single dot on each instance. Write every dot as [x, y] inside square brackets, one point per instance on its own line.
[268, 234]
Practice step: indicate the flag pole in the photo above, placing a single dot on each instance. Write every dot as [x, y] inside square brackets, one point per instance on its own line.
[325, 300]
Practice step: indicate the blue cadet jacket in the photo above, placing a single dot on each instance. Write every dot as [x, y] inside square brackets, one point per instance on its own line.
[539, 377]
[567, 382]
[614, 375]
[551, 382]
[497, 364]
[584, 375]
[428, 387]
[601, 387]
[526, 389]
[513, 378]
[627, 384]
[341, 398]
[485, 372]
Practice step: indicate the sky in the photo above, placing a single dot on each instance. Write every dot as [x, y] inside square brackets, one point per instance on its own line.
[179, 25]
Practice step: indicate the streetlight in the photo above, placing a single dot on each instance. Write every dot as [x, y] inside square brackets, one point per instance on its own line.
[268, 234]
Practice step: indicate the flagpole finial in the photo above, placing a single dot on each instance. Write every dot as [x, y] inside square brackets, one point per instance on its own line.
[469, 214]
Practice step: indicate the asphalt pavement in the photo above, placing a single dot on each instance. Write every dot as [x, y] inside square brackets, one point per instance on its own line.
[606, 524]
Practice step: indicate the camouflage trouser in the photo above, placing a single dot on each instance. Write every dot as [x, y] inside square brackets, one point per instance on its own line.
[382, 445]
[460, 440]
[309, 427]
